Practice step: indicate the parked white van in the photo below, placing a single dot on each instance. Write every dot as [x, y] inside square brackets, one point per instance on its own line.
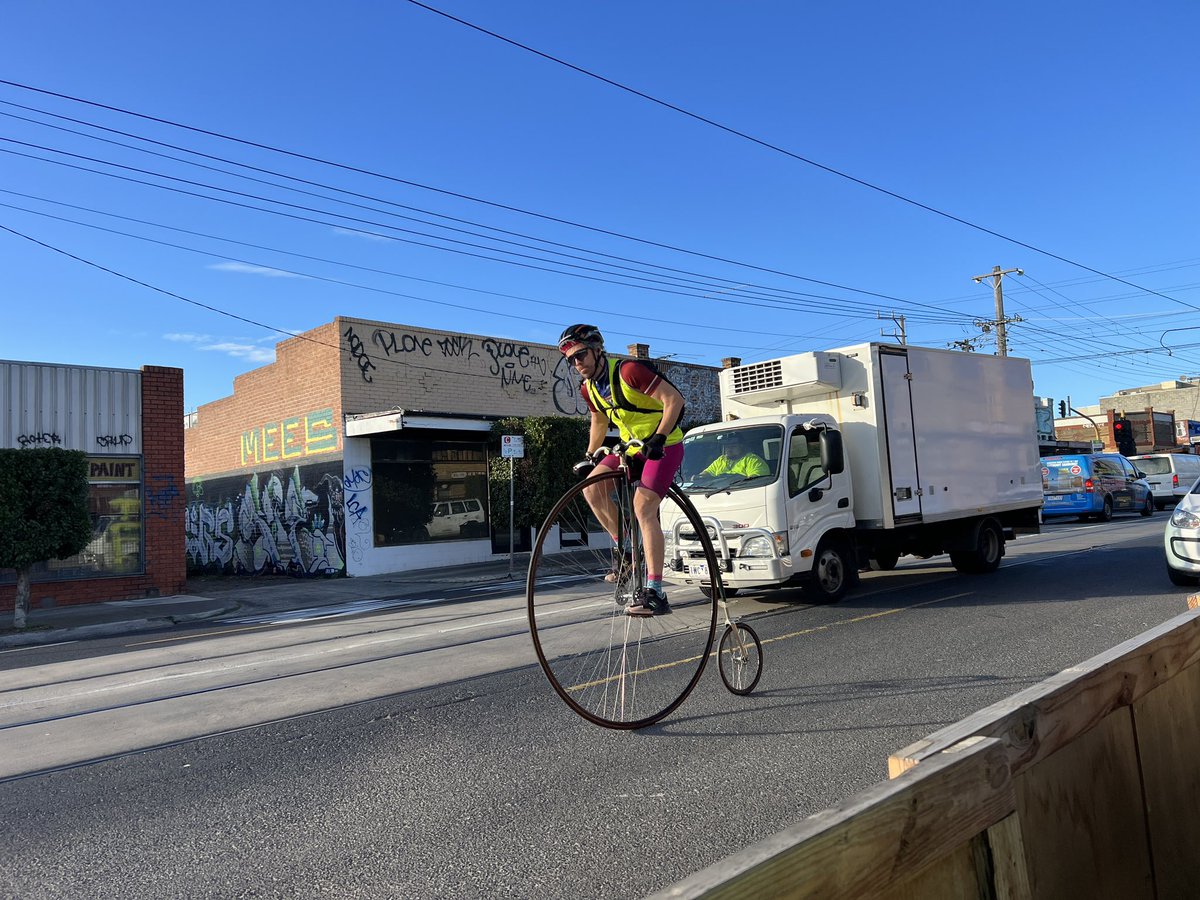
[1171, 475]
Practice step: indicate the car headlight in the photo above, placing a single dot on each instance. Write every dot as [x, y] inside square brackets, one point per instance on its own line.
[763, 547]
[1184, 518]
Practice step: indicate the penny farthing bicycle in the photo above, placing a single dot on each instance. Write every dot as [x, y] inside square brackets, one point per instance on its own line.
[622, 671]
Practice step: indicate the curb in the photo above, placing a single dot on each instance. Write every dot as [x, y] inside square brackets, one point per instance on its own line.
[106, 629]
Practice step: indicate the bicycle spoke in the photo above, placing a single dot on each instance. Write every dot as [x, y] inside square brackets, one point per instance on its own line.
[615, 670]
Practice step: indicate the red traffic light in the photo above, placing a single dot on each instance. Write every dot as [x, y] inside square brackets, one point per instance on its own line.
[1117, 426]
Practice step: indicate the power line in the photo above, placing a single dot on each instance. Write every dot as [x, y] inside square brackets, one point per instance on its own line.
[778, 149]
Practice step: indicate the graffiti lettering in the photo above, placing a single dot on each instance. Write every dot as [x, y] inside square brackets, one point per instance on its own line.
[567, 399]
[406, 343]
[114, 440]
[359, 544]
[458, 346]
[161, 498]
[359, 354]
[305, 435]
[509, 355]
[524, 380]
[357, 479]
[37, 440]
[356, 512]
[282, 527]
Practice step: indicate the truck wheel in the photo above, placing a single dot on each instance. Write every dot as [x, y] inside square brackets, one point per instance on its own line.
[989, 547]
[885, 560]
[707, 591]
[831, 574]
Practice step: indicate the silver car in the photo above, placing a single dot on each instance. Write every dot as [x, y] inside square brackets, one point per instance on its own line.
[1181, 540]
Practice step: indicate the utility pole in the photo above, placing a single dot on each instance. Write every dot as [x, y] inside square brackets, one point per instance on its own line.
[1001, 323]
[899, 320]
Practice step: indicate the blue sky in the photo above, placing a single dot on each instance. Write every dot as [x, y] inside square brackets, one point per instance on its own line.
[1069, 128]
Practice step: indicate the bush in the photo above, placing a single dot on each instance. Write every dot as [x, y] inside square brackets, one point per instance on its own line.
[553, 444]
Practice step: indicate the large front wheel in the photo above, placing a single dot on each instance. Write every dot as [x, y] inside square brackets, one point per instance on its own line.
[615, 670]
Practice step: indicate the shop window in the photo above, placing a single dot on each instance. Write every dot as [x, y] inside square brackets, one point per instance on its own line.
[429, 489]
[115, 505]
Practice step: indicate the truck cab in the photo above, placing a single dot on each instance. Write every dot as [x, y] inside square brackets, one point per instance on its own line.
[792, 491]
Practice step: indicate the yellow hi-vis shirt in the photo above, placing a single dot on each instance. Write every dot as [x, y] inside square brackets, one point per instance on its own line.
[749, 465]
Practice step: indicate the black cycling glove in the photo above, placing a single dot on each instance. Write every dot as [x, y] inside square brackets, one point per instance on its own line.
[653, 445]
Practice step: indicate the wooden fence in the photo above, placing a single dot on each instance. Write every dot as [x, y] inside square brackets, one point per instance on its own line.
[1080, 787]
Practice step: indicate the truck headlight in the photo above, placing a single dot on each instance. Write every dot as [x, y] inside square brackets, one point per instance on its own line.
[1185, 518]
[763, 547]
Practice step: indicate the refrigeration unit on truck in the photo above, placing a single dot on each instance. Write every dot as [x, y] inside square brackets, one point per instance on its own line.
[858, 456]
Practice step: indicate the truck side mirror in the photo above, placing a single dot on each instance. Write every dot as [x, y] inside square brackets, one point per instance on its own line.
[833, 460]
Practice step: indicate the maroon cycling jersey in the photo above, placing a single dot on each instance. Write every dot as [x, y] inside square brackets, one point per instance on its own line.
[639, 377]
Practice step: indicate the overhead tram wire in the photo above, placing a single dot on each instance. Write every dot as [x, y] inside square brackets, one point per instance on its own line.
[781, 150]
[896, 300]
[778, 304]
[443, 191]
[227, 313]
[357, 286]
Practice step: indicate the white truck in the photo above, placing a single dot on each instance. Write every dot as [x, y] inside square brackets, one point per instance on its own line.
[864, 454]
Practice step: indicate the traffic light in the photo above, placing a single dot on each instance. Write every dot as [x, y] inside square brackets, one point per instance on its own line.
[1062, 409]
[1123, 436]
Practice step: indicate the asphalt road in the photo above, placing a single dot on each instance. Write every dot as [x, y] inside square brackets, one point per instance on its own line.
[419, 750]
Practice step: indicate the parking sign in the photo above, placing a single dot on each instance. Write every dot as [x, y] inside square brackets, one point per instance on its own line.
[513, 445]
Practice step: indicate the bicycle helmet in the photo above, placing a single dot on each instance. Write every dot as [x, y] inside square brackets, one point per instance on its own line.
[580, 336]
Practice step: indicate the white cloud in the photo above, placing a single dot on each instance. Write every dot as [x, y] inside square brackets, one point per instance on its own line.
[247, 269]
[242, 351]
[187, 338]
[350, 232]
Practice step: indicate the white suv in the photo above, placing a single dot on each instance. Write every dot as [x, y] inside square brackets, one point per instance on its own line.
[458, 518]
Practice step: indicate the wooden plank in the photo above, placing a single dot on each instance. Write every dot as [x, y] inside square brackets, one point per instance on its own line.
[1082, 818]
[1010, 871]
[1168, 732]
[1039, 720]
[954, 875]
[874, 840]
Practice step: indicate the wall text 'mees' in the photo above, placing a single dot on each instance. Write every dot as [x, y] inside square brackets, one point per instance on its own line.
[299, 436]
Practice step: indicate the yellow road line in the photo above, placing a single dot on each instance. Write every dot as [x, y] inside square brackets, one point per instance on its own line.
[793, 634]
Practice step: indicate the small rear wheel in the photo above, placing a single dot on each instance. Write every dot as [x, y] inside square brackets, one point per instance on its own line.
[740, 658]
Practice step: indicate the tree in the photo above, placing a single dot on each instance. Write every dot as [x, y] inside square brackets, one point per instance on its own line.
[552, 445]
[43, 512]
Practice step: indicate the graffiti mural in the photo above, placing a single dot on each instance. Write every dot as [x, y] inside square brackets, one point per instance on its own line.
[288, 521]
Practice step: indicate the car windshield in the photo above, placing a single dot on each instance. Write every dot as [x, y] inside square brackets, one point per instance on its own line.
[731, 459]
[1063, 473]
[1154, 465]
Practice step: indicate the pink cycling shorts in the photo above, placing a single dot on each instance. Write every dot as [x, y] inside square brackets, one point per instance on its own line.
[656, 474]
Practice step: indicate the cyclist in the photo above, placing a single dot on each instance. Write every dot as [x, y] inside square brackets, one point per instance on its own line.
[642, 405]
[737, 458]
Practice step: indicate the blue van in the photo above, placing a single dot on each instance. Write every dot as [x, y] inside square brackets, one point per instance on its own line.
[1093, 485]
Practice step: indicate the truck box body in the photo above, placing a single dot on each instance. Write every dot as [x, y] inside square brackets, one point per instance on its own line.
[929, 434]
[873, 451]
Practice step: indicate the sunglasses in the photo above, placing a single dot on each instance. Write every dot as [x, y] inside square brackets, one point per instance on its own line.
[574, 358]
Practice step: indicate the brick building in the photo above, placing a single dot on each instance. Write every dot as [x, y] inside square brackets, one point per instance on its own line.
[129, 424]
[364, 448]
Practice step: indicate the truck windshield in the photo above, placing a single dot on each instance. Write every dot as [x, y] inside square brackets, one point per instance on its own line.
[732, 459]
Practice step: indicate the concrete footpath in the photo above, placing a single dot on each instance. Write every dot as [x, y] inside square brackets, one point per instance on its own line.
[214, 598]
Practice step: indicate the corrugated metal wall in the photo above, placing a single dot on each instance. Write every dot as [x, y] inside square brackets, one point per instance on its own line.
[73, 407]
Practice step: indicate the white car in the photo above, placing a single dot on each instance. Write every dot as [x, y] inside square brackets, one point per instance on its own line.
[1182, 540]
[458, 518]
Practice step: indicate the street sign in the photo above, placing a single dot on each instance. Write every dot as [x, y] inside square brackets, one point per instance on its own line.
[513, 445]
